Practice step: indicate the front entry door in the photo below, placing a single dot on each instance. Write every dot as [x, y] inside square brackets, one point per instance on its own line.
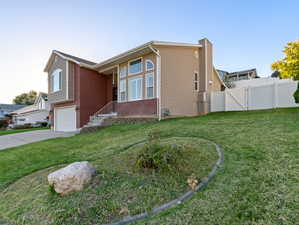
[114, 94]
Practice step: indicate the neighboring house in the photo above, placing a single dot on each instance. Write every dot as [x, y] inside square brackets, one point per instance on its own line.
[32, 114]
[238, 75]
[6, 109]
[157, 79]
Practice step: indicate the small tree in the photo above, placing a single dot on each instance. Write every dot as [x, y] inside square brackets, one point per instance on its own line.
[25, 98]
[288, 67]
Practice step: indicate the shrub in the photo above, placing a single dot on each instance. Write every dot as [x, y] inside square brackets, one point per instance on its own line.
[296, 94]
[25, 126]
[3, 123]
[157, 156]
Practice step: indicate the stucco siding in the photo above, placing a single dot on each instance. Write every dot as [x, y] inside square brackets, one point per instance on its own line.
[178, 65]
[216, 83]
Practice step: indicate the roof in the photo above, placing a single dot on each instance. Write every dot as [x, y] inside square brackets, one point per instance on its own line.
[145, 48]
[10, 107]
[26, 109]
[244, 71]
[76, 58]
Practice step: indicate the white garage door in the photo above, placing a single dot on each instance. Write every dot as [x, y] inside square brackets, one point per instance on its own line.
[65, 119]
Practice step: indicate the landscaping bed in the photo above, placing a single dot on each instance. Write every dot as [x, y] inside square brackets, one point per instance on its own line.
[118, 190]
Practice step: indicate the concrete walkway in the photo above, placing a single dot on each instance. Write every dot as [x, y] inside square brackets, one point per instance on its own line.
[13, 140]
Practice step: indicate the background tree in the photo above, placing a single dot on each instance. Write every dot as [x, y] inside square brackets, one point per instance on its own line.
[25, 98]
[288, 67]
[276, 74]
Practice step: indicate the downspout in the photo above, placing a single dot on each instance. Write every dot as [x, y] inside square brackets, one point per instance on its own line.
[159, 106]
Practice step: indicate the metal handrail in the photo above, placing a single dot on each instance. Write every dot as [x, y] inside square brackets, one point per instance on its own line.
[110, 107]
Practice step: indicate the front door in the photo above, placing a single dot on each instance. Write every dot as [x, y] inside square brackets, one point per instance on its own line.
[114, 94]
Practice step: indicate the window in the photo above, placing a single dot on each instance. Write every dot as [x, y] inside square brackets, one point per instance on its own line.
[135, 66]
[196, 82]
[149, 65]
[135, 89]
[123, 71]
[56, 80]
[149, 84]
[122, 91]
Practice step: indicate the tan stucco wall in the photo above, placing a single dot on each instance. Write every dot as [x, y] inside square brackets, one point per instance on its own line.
[216, 83]
[178, 65]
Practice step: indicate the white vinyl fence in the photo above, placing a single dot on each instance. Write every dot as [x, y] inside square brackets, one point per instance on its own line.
[275, 95]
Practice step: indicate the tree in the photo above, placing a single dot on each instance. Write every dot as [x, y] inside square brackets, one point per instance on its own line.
[25, 98]
[288, 67]
[275, 74]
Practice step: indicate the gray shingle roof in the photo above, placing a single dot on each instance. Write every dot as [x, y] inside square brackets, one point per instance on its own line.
[77, 58]
[10, 107]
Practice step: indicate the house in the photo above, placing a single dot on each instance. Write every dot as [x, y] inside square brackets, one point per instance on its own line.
[156, 80]
[32, 114]
[238, 75]
[6, 109]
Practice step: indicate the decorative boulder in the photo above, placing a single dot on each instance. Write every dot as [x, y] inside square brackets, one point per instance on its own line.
[71, 178]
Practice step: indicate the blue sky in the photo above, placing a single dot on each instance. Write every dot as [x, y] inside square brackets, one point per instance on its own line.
[245, 34]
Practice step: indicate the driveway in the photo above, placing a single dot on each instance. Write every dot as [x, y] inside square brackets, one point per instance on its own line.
[13, 140]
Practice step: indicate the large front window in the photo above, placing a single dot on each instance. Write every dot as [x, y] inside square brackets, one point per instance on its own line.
[149, 84]
[56, 80]
[122, 91]
[123, 71]
[135, 89]
[135, 66]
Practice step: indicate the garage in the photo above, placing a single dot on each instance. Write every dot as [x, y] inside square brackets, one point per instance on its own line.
[65, 119]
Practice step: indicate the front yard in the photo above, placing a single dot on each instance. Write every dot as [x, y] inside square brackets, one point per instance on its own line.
[257, 185]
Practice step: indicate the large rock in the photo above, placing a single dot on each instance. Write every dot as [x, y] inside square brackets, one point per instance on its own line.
[71, 178]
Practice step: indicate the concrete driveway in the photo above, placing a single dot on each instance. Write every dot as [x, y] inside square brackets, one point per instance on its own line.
[13, 140]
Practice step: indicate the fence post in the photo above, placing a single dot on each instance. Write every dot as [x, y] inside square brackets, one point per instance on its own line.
[248, 97]
[225, 101]
[275, 95]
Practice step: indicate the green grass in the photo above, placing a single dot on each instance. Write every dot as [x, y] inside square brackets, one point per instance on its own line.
[5, 132]
[258, 184]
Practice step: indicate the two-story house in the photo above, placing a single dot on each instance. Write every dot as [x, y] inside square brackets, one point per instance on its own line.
[157, 79]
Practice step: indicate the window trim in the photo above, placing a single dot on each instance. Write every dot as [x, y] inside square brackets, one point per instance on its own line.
[129, 99]
[196, 81]
[149, 60]
[60, 80]
[139, 58]
[146, 85]
[126, 69]
[119, 92]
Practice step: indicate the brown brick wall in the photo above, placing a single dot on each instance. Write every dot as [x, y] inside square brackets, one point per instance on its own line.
[93, 93]
[138, 108]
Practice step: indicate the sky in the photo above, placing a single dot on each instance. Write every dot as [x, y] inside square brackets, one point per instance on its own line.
[245, 34]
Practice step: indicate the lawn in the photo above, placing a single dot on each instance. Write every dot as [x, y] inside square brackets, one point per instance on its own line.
[257, 185]
[5, 132]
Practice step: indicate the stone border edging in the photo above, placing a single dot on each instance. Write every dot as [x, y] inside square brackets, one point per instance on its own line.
[185, 196]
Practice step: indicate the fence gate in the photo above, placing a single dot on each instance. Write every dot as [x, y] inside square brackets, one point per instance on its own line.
[276, 95]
